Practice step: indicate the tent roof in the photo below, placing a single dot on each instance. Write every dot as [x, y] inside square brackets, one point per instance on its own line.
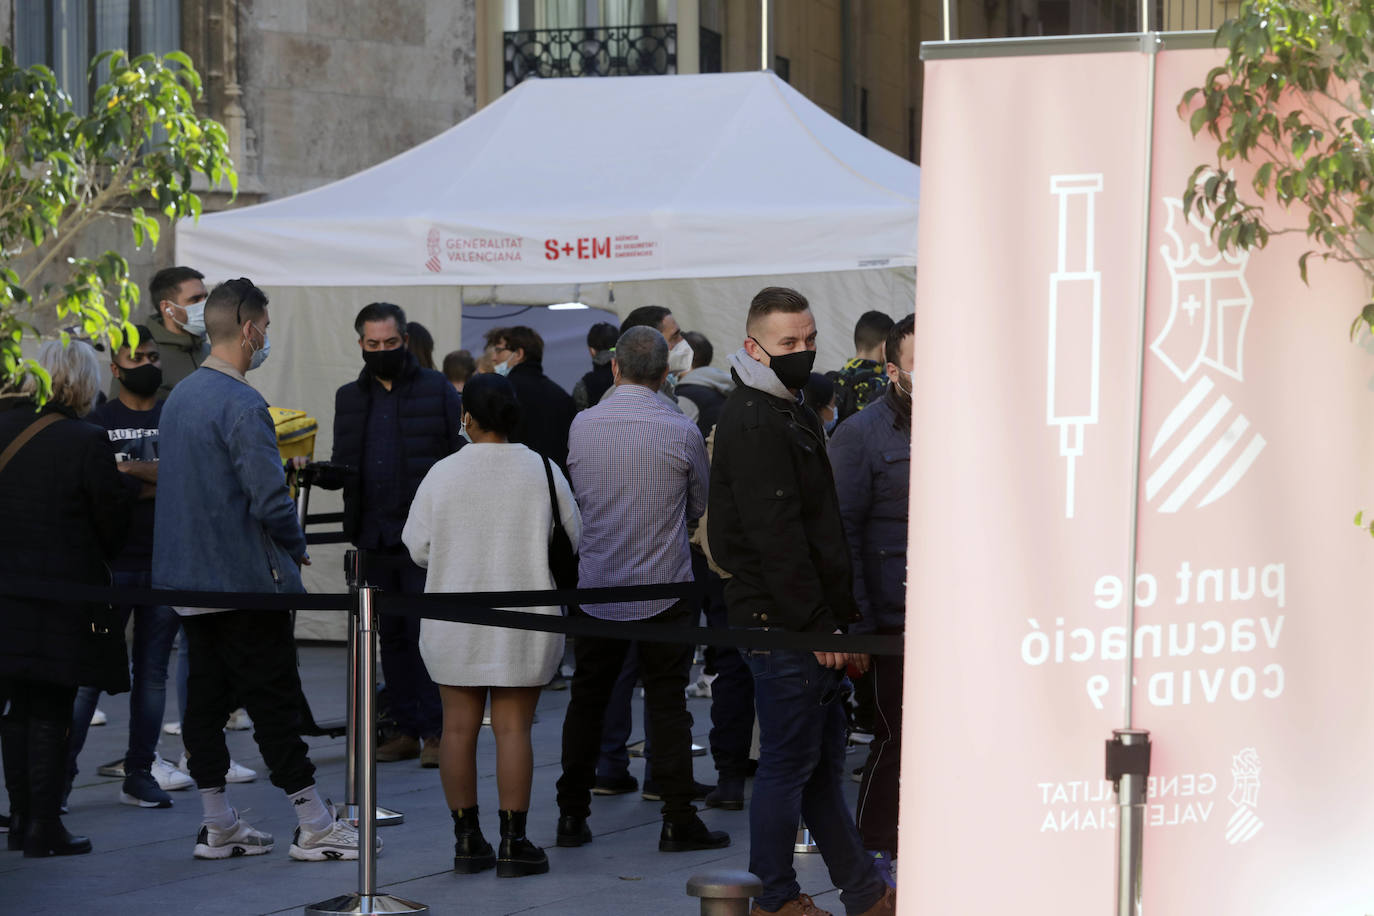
[589, 180]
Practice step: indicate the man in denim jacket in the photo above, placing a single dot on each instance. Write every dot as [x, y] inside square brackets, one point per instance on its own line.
[225, 522]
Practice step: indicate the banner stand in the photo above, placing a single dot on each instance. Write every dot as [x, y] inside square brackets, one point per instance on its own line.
[1125, 767]
[366, 902]
[1128, 769]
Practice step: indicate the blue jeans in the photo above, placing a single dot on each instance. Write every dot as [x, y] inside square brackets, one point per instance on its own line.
[801, 776]
[155, 627]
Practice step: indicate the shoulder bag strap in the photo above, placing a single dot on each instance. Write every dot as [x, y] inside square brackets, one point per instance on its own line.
[36, 427]
[553, 495]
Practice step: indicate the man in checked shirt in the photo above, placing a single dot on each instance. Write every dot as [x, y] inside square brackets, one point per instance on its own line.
[639, 471]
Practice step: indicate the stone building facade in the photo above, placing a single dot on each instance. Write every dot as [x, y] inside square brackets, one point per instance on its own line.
[313, 90]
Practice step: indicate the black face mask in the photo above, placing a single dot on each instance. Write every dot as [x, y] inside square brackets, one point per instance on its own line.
[143, 381]
[792, 369]
[385, 364]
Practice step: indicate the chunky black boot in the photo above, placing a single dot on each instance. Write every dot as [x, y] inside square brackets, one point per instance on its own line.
[518, 856]
[44, 834]
[471, 851]
[14, 739]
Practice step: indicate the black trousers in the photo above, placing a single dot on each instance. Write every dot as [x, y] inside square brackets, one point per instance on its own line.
[664, 668]
[876, 811]
[410, 693]
[247, 657]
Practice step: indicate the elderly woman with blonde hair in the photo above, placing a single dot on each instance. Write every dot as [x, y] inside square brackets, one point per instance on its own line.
[67, 515]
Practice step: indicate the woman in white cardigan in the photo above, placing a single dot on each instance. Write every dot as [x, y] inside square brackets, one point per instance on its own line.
[481, 521]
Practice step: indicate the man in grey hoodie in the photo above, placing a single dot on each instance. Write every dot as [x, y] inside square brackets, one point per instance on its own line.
[701, 393]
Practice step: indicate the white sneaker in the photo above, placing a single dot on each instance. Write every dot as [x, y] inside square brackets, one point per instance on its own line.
[98, 717]
[238, 721]
[239, 840]
[169, 777]
[339, 842]
[237, 772]
[171, 728]
[702, 687]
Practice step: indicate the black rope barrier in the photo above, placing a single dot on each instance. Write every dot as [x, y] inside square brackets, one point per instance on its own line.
[479, 608]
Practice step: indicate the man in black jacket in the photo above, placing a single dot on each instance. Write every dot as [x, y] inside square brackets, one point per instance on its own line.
[871, 453]
[774, 525]
[546, 410]
[391, 426]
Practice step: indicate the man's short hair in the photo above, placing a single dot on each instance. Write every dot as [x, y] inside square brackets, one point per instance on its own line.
[167, 282]
[602, 336]
[646, 316]
[642, 355]
[519, 337]
[901, 330]
[772, 299]
[380, 311]
[871, 330]
[144, 336]
[230, 304]
[459, 366]
[702, 351]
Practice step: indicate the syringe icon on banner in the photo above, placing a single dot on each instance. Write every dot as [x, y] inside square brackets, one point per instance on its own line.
[1075, 325]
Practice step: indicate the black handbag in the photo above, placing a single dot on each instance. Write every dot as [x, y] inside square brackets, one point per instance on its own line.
[562, 557]
[104, 652]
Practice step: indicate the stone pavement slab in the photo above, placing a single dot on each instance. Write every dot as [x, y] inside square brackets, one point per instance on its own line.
[142, 861]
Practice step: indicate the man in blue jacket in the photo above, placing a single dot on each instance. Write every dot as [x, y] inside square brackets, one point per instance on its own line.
[225, 522]
[391, 425]
[871, 455]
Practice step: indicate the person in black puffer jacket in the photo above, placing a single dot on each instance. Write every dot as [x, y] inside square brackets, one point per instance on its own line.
[391, 426]
[69, 510]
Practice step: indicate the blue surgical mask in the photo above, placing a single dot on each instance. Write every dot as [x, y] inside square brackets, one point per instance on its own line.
[502, 368]
[195, 319]
[260, 354]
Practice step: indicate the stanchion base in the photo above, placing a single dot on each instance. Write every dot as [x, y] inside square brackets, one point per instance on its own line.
[364, 905]
[385, 816]
[804, 842]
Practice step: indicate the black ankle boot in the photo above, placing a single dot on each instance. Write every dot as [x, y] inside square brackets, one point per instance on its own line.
[14, 739]
[471, 851]
[44, 834]
[518, 856]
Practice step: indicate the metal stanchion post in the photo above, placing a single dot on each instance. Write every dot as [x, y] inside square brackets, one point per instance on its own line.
[385, 816]
[804, 842]
[1128, 767]
[366, 902]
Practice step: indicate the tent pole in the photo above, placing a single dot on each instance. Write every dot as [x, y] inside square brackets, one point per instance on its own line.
[766, 21]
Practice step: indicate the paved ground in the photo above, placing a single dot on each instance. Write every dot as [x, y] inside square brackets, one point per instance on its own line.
[142, 860]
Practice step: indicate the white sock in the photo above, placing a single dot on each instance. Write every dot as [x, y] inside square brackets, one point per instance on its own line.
[310, 809]
[215, 804]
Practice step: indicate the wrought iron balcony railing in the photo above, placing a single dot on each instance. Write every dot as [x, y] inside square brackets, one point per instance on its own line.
[633, 50]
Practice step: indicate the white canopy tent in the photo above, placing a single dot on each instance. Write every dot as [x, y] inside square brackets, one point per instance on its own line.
[687, 191]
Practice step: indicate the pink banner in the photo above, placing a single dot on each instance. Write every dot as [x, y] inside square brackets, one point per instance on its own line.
[1254, 590]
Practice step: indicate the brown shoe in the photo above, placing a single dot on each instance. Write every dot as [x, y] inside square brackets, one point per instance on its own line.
[429, 753]
[801, 905]
[402, 747]
[886, 905]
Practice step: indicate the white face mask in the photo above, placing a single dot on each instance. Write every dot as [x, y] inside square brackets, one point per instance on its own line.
[502, 368]
[680, 358]
[195, 319]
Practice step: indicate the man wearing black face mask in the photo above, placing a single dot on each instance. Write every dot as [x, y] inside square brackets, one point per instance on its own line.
[774, 524]
[391, 426]
[132, 420]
